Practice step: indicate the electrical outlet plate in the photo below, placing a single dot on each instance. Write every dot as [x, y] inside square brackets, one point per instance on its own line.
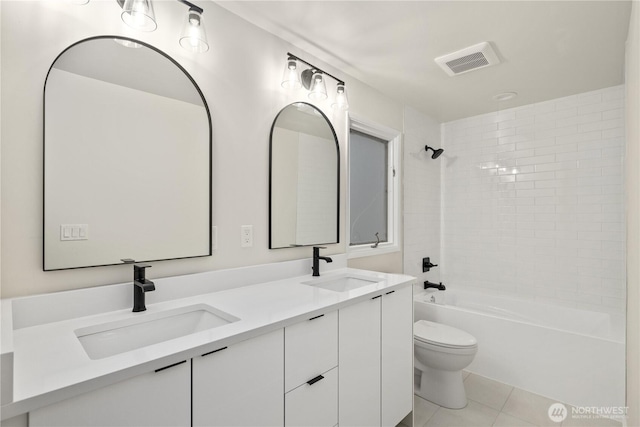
[246, 236]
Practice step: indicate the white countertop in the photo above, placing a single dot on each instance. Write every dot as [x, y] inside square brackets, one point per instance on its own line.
[50, 364]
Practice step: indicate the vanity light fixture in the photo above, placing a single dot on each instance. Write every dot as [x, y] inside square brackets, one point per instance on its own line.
[291, 77]
[341, 102]
[318, 89]
[139, 14]
[313, 79]
[193, 36]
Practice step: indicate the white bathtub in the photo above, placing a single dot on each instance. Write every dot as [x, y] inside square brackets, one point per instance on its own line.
[570, 355]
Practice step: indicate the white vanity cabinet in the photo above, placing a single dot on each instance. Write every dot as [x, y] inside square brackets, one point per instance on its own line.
[240, 385]
[376, 360]
[158, 398]
[311, 373]
[359, 386]
[397, 355]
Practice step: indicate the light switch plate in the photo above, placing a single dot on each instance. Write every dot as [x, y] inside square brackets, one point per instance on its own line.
[74, 232]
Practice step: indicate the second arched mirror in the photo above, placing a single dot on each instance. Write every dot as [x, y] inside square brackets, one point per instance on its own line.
[304, 178]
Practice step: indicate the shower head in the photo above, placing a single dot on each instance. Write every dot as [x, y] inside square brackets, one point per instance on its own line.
[436, 153]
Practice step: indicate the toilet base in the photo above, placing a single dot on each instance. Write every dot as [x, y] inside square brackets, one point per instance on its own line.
[444, 388]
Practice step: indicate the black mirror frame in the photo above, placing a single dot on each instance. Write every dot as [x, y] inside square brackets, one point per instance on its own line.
[206, 107]
[335, 138]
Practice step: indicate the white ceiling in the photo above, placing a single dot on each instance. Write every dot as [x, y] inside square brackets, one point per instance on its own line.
[548, 49]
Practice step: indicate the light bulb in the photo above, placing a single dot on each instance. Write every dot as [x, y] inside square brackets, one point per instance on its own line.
[139, 14]
[194, 37]
[318, 88]
[341, 102]
[290, 77]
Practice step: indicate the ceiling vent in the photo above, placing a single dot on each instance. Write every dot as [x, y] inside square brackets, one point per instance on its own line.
[471, 58]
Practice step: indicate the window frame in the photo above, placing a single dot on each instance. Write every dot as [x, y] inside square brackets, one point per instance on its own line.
[394, 138]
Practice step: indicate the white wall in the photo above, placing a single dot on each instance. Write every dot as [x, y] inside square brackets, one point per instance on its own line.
[632, 192]
[240, 78]
[421, 195]
[533, 201]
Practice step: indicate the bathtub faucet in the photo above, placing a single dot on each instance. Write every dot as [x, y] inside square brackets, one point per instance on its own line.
[428, 284]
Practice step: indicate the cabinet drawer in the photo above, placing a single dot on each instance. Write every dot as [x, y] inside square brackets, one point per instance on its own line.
[313, 404]
[310, 348]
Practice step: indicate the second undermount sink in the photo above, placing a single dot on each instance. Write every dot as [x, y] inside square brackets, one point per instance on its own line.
[108, 339]
[342, 282]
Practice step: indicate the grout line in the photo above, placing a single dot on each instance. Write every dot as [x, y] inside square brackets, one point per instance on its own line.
[507, 399]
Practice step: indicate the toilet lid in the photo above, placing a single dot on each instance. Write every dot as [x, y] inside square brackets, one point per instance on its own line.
[442, 335]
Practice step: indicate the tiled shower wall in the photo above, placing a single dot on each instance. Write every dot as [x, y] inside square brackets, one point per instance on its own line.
[421, 190]
[533, 203]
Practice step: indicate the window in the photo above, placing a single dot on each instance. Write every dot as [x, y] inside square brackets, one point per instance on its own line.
[373, 189]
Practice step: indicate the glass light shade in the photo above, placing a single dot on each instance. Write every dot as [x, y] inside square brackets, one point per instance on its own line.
[318, 88]
[341, 102]
[139, 14]
[193, 36]
[290, 77]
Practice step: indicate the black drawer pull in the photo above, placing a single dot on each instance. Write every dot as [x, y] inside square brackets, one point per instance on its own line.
[379, 296]
[390, 292]
[170, 366]
[316, 317]
[214, 351]
[312, 381]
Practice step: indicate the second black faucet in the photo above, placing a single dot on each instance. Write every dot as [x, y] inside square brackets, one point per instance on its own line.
[316, 260]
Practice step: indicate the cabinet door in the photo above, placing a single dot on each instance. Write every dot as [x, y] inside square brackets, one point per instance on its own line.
[313, 404]
[242, 385]
[311, 348]
[397, 355]
[161, 398]
[359, 386]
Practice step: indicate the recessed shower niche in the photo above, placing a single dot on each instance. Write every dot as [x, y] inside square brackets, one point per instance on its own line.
[127, 157]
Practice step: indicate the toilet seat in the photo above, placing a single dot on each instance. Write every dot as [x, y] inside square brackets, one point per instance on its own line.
[439, 335]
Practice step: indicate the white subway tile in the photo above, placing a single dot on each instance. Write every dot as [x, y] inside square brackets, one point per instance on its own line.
[556, 132]
[536, 160]
[564, 148]
[614, 93]
[602, 106]
[613, 114]
[579, 137]
[551, 191]
[589, 98]
[556, 115]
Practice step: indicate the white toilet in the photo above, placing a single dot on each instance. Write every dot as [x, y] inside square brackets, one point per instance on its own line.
[441, 353]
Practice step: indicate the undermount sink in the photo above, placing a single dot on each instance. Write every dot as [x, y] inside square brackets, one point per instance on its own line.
[342, 283]
[108, 339]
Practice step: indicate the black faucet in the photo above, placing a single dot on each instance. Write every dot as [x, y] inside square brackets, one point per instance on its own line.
[428, 284]
[317, 258]
[140, 286]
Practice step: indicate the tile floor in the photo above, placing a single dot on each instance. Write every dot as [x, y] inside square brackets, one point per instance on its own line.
[492, 403]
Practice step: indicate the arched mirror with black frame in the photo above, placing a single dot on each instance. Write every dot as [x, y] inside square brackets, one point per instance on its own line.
[304, 178]
[127, 157]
